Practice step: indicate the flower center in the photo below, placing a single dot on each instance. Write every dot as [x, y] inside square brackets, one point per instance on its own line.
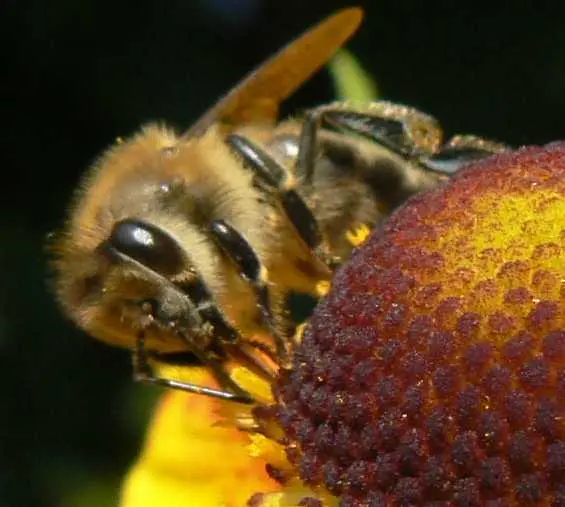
[434, 371]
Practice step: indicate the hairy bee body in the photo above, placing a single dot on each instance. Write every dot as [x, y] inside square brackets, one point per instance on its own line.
[182, 185]
[190, 243]
[355, 182]
[151, 178]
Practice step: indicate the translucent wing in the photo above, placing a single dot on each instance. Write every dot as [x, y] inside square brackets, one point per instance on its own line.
[258, 95]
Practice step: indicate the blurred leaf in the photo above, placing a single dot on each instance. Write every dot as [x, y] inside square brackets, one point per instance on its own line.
[137, 406]
[96, 492]
[352, 82]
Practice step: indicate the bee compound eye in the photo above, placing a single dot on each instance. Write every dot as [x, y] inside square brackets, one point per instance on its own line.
[147, 244]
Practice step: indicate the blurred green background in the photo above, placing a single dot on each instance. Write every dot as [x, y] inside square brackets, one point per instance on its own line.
[78, 74]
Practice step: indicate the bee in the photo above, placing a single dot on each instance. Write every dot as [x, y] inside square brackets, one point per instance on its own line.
[184, 246]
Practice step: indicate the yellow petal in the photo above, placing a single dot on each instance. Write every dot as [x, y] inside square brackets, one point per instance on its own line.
[191, 458]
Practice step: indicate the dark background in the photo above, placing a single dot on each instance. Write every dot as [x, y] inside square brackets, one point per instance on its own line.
[76, 74]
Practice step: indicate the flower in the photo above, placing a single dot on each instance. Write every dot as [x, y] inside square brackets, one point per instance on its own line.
[192, 457]
[197, 453]
[435, 369]
[433, 373]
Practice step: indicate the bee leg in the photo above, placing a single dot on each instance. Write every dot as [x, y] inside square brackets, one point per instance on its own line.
[218, 337]
[307, 143]
[389, 132]
[403, 130]
[276, 177]
[250, 268]
[143, 372]
[460, 151]
[230, 339]
[410, 134]
[209, 311]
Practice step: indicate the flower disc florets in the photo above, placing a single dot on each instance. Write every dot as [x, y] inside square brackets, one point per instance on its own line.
[434, 372]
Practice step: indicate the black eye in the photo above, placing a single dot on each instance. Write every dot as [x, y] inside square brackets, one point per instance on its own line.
[148, 245]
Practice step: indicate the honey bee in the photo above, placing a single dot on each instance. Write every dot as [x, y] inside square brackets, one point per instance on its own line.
[186, 245]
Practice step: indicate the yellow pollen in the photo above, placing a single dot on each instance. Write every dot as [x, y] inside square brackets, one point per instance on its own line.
[358, 234]
[322, 288]
[299, 332]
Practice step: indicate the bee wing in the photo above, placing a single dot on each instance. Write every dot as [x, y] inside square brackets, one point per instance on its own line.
[258, 95]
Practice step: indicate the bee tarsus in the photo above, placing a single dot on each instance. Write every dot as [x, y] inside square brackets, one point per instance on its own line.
[459, 151]
[410, 134]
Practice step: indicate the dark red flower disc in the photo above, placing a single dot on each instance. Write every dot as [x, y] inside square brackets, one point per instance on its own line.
[434, 371]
